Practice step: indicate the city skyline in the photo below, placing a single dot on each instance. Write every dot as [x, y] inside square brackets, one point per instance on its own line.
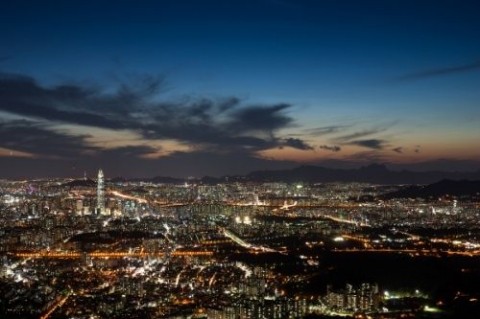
[182, 88]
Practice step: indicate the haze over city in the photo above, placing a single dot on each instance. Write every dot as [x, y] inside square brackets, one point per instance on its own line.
[187, 88]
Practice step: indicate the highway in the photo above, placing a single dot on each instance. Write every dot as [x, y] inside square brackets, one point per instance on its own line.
[344, 221]
[475, 253]
[76, 255]
[243, 243]
[55, 306]
[145, 201]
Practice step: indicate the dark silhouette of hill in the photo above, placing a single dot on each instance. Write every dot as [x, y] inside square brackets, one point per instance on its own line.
[375, 173]
[81, 183]
[156, 180]
[118, 179]
[167, 180]
[442, 188]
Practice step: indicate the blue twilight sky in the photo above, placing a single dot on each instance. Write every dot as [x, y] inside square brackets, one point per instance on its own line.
[171, 87]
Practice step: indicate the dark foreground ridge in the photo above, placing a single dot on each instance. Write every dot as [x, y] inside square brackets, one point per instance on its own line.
[81, 183]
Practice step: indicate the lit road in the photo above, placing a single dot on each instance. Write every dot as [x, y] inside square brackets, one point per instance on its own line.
[411, 251]
[55, 306]
[243, 243]
[75, 255]
[236, 239]
[145, 201]
[365, 242]
[345, 221]
[125, 196]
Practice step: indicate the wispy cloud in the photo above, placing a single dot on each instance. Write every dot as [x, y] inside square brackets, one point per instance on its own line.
[325, 130]
[360, 134]
[425, 74]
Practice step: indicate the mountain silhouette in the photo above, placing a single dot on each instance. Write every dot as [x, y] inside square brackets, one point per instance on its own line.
[439, 189]
[374, 173]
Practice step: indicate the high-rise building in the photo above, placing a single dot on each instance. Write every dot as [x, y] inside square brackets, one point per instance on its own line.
[100, 192]
[79, 206]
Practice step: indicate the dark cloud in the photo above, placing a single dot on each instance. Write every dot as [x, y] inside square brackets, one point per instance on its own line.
[69, 104]
[129, 151]
[398, 150]
[361, 138]
[43, 142]
[474, 66]
[375, 144]
[213, 124]
[34, 138]
[296, 143]
[258, 118]
[333, 148]
[251, 127]
[228, 103]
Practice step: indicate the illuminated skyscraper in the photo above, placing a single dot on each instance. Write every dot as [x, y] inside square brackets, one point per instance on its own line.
[100, 193]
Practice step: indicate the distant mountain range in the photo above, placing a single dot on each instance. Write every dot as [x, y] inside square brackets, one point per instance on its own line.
[429, 184]
[374, 173]
[442, 188]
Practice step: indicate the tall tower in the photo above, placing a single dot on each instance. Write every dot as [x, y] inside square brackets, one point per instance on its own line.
[100, 192]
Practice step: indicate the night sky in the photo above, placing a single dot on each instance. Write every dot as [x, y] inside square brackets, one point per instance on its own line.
[192, 88]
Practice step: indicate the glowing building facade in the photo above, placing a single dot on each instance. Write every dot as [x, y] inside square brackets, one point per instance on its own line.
[100, 192]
